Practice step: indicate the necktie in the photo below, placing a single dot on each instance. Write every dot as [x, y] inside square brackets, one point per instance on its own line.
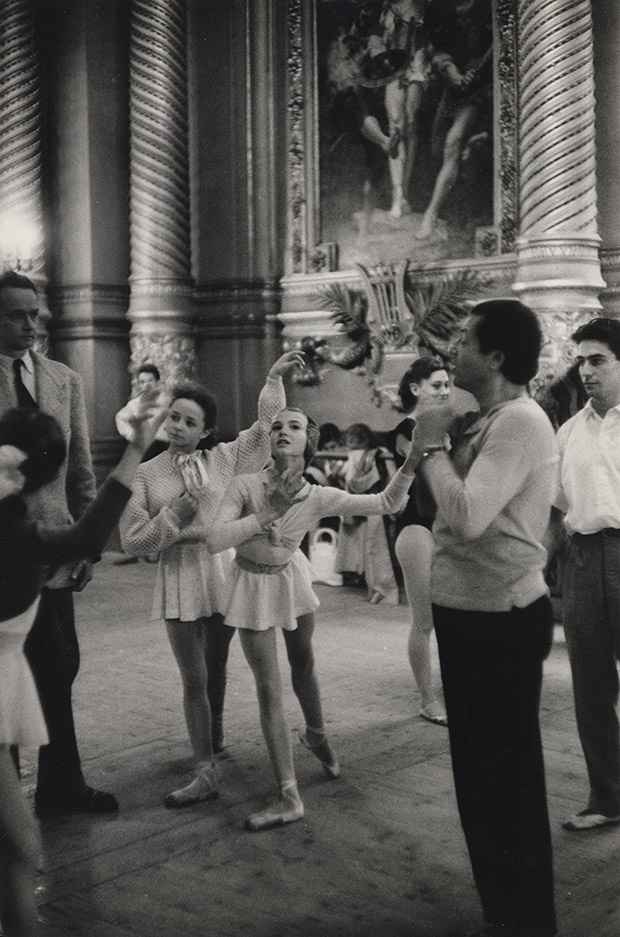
[24, 397]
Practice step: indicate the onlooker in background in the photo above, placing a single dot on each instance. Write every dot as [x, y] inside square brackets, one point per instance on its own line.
[325, 471]
[147, 383]
[589, 496]
[363, 544]
[492, 613]
[423, 384]
[563, 397]
[29, 380]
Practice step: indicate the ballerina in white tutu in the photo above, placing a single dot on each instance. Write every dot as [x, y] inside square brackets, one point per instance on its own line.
[176, 497]
[265, 516]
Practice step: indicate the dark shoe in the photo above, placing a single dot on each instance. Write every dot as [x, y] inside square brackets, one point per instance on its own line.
[125, 560]
[88, 800]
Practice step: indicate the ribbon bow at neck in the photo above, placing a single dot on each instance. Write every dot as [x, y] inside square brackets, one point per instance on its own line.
[193, 470]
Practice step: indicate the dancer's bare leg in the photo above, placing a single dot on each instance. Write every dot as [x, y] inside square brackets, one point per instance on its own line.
[20, 854]
[306, 686]
[414, 550]
[260, 650]
[187, 640]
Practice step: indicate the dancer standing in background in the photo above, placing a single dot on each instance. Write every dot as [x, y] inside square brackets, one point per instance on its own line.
[425, 383]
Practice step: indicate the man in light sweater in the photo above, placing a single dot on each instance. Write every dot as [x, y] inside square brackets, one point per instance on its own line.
[492, 612]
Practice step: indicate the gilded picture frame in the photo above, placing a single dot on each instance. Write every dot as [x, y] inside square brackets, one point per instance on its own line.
[336, 216]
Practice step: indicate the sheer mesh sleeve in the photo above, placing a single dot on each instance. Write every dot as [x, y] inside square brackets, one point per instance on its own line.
[148, 524]
[252, 445]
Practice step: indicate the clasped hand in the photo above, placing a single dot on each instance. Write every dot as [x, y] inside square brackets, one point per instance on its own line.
[432, 423]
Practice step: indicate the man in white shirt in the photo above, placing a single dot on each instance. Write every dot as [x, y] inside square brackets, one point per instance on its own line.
[589, 497]
[492, 612]
[147, 382]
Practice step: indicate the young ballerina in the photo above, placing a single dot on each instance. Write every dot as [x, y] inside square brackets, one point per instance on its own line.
[32, 449]
[265, 516]
[176, 497]
[424, 383]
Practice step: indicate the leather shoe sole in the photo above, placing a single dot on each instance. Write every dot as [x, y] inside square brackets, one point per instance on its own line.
[87, 801]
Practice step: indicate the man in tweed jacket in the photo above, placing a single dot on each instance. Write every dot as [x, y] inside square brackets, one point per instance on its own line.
[52, 647]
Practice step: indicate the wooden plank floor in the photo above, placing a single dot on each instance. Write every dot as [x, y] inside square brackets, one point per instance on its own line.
[380, 852]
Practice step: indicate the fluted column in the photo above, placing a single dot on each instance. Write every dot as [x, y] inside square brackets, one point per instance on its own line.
[558, 262]
[161, 287]
[21, 203]
[606, 16]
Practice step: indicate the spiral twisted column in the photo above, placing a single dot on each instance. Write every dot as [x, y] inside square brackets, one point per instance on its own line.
[21, 202]
[558, 247]
[160, 307]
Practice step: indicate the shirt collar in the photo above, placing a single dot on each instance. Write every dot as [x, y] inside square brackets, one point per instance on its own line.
[590, 413]
[7, 362]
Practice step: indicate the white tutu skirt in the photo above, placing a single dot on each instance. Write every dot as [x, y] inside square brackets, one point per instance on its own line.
[192, 583]
[272, 600]
[21, 717]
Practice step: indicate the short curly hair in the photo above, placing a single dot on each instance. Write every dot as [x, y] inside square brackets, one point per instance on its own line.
[191, 390]
[42, 440]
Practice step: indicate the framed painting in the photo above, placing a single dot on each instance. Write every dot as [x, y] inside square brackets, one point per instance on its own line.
[402, 131]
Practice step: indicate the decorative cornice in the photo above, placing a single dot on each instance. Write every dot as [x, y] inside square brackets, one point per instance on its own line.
[92, 293]
[242, 291]
[70, 329]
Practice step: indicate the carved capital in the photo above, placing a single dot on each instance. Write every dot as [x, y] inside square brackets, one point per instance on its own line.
[174, 355]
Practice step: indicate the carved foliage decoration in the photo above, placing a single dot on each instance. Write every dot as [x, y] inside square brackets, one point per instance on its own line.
[174, 355]
[438, 305]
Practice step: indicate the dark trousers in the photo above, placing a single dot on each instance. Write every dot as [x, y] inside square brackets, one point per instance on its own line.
[591, 612]
[491, 667]
[54, 656]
